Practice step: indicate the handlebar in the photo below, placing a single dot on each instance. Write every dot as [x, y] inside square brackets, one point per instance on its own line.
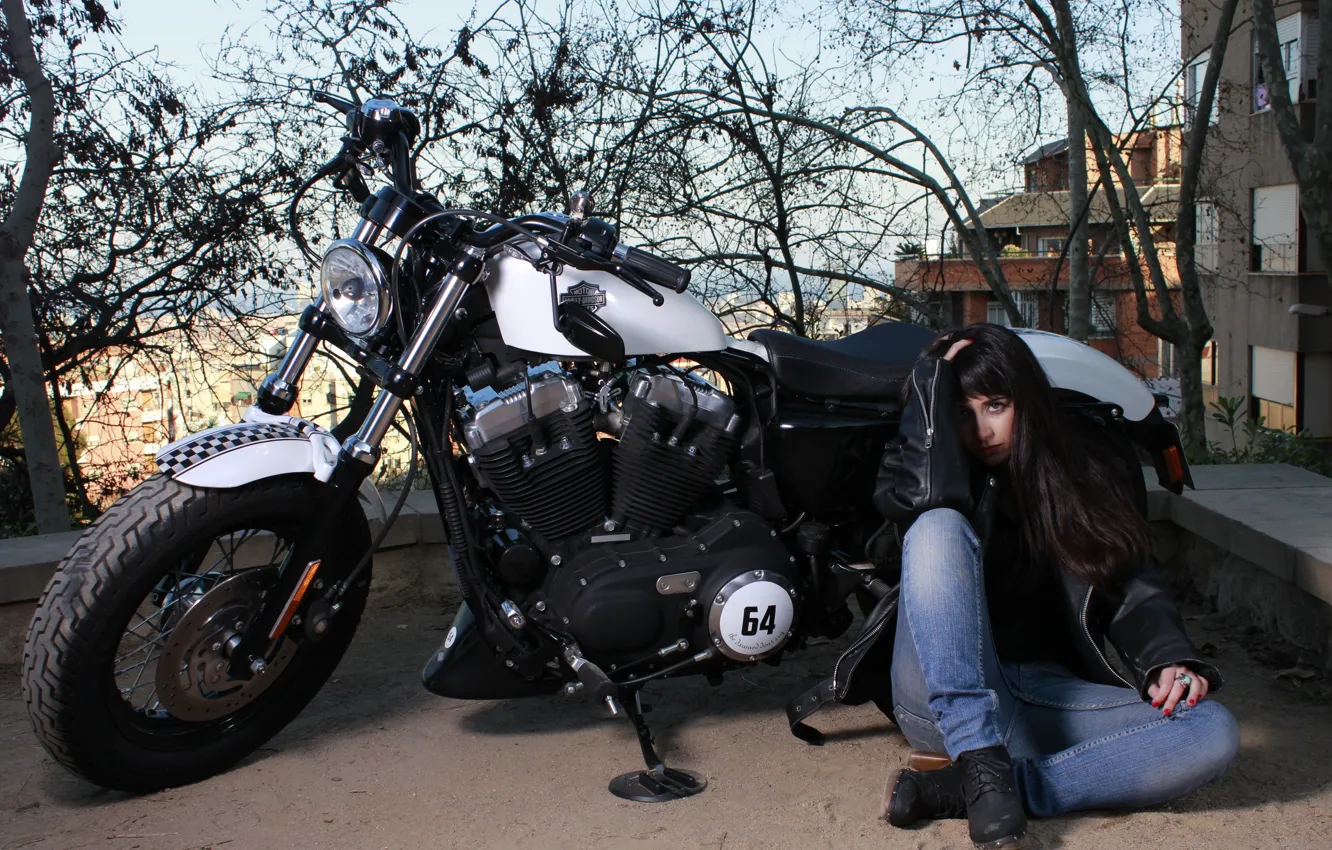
[636, 267]
[654, 269]
[342, 106]
[381, 126]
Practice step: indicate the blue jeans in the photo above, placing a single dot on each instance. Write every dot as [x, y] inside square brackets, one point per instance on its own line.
[1075, 744]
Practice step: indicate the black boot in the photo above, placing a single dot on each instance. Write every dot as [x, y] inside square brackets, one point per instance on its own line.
[919, 795]
[994, 807]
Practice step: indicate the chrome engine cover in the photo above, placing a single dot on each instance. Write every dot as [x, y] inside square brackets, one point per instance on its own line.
[510, 412]
[671, 392]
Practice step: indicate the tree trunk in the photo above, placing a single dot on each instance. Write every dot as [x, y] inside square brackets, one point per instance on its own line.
[27, 376]
[1079, 272]
[1192, 412]
[34, 411]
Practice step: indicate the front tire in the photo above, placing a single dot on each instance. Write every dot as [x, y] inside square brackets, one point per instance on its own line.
[143, 561]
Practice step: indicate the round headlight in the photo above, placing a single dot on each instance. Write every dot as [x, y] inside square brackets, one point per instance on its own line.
[355, 287]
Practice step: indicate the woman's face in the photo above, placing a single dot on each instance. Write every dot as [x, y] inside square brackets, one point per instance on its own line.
[987, 428]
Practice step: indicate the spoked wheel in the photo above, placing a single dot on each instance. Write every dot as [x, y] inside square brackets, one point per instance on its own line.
[125, 668]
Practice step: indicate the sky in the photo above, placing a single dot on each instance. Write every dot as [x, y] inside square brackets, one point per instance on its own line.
[185, 32]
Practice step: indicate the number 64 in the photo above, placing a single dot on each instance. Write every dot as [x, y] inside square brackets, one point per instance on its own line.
[750, 625]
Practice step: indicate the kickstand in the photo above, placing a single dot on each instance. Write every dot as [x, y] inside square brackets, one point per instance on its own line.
[658, 783]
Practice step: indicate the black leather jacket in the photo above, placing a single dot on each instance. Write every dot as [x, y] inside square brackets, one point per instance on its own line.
[925, 467]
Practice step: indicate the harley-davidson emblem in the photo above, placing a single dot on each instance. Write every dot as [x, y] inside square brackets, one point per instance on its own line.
[585, 294]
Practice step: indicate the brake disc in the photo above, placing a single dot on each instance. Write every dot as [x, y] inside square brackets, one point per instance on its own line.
[192, 680]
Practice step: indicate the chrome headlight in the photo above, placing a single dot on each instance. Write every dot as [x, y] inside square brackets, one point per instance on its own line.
[355, 287]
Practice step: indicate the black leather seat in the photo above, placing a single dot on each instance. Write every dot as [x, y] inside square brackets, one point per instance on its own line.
[864, 365]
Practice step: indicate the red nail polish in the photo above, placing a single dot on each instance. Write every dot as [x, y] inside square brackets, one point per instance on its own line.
[1156, 703]
[1193, 702]
[1167, 712]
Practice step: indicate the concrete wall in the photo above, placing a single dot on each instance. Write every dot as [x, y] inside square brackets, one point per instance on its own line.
[1249, 594]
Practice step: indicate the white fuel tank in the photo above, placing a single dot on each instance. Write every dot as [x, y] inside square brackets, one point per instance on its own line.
[520, 296]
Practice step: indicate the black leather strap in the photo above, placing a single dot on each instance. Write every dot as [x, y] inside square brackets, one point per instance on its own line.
[871, 643]
[804, 706]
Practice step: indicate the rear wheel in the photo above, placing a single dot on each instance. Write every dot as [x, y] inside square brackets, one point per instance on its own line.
[124, 667]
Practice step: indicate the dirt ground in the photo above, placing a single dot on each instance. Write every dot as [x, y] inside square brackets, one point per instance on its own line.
[377, 762]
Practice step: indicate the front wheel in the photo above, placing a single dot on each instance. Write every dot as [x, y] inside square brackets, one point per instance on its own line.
[123, 671]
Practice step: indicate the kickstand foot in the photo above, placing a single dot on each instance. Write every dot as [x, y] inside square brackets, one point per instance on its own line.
[649, 786]
[658, 783]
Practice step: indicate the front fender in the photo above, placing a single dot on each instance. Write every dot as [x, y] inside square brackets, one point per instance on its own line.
[262, 446]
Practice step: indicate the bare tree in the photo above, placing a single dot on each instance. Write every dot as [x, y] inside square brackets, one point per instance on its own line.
[1016, 38]
[1309, 148]
[1190, 329]
[160, 214]
[25, 379]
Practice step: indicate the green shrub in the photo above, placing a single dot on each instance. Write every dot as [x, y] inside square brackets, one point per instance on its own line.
[1251, 441]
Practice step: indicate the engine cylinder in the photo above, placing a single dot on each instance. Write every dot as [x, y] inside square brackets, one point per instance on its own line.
[542, 458]
[675, 440]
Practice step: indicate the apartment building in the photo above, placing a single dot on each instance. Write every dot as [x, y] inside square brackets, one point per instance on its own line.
[1262, 260]
[1031, 226]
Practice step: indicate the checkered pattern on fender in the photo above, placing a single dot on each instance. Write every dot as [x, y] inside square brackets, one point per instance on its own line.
[215, 441]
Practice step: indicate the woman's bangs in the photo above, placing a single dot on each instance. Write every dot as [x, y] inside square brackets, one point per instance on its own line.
[983, 377]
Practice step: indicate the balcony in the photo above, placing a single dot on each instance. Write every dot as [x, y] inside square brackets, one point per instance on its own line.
[1022, 270]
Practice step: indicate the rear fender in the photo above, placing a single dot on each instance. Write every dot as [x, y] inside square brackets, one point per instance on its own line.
[1076, 366]
[261, 446]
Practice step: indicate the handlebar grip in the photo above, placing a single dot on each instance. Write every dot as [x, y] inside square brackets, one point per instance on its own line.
[656, 269]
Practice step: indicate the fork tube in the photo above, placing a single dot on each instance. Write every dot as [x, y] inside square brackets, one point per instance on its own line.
[278, 391]
[364, 445]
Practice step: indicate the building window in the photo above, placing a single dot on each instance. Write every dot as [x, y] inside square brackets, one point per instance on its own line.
[1288, 37]
[1276, 216]
[1194, 73]
[1207, 235]
[1103, 314]
[1209, 363]
[1167, 360]
[933, 309]
[1027, 306]
[1048, 246]
[1272, 384]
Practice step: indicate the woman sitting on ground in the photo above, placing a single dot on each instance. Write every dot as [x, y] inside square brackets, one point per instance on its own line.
[1002, 666]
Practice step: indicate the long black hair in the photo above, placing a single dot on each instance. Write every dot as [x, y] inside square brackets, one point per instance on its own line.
[1077, 506]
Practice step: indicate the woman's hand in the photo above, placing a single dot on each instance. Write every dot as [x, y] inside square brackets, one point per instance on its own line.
[956, 347]
[1173, 684]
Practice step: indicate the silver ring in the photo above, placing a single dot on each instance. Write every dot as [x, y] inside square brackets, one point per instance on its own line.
[1184, 679]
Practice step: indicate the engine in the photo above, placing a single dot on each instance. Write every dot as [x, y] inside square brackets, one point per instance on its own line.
[536, 447]
[728, 585]
[623, 540]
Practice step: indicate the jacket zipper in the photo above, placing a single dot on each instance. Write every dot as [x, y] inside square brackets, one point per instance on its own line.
[929, 410]
[1086, 604]
[864, 636]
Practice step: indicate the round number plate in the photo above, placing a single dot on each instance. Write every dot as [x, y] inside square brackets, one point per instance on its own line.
[751, 617]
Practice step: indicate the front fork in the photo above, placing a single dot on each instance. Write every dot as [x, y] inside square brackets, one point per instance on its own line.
[357, 458]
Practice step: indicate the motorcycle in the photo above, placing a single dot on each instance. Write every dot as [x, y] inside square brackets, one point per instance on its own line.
[629, 494]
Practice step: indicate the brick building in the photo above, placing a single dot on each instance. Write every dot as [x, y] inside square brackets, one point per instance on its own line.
[1031, 227]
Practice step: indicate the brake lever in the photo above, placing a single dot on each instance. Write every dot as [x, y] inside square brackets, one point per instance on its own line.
[570, 256]
[632, 278]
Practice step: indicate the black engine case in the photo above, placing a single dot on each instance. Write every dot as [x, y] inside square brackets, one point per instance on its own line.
[625, 600]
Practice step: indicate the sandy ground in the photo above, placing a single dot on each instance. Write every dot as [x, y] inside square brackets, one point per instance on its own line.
[377, 762]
